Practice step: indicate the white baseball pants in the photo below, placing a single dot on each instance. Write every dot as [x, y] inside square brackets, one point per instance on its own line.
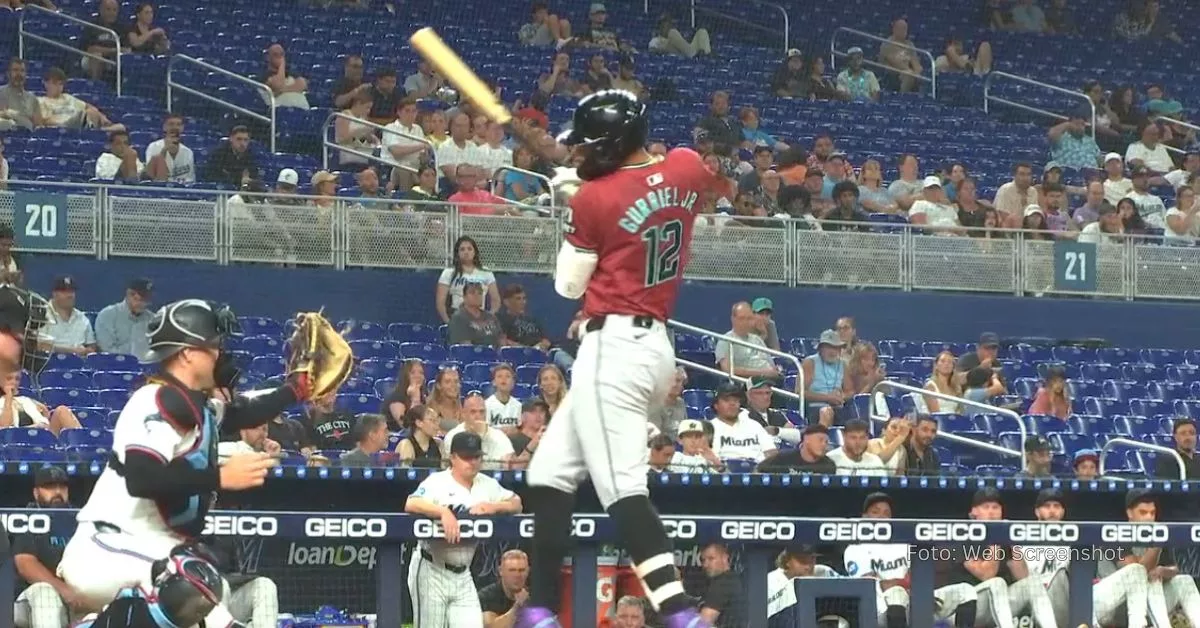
[622, 374]
[1178, 592]
[1129, 586]
[99, 564]
[442, 598]
[946, 600]
[39, 606]
[255, 603]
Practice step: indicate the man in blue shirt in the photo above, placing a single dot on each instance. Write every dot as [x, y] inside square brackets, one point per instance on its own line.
[122, 326]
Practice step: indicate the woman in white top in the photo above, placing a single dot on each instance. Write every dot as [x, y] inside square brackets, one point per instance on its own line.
[21, 411]
[354, 134]
[468, 268]
[890, 448]
[1181, 219]
[942, 380]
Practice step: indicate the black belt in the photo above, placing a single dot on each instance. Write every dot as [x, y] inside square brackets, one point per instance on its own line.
[451, 568]
[643, 321]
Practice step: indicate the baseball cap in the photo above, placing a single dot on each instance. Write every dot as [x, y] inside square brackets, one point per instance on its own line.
[729, 389]
[759, 381]
[1139, 171]
[800, 550]
[466, 445]
[597, 7]
[287, 176]
[689, 426]
[932, 181]
[831, 338]
[1114, 156]
[64, 283]
[875, 498]
[1033, 209]
[854, 50]
[762, 304]
[142, 286]
[986, 495]
[1051, 165]
[1037, 443]
[49, 475]
[1137, 496]
[1048, 495]
[794, 52]
[322, 176]
[1085, 454]
[989, 339]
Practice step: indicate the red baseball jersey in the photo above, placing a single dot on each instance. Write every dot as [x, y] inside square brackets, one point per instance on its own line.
[638, 220]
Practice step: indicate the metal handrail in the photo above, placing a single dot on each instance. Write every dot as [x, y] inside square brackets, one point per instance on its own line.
[966, 402]
[1140, 445]
[326, 144]
[22, 34]
[834, 53]
[537, 175]
[742, 343]
[988, 98]
[1181, 123]
[737, 378]
[260, 87]
[726, 16]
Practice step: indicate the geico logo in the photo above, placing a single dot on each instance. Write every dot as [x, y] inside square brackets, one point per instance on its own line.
[20, 523]
[1049, 531]
[1135, 533]
[331, 556]
[232, 525]
[758, 530]
[1196, 534]
[352, 528]
[951, 532]
[855, 531]
[581, 528]
[680, 528]
[467, 529]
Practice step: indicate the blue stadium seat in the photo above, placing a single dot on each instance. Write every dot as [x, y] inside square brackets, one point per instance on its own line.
[383, 387]
[472, 353]
[374, 349]
[917, 364]
[69, 397]
[1099, 372]
[1071, 443]
[1009, 440]
[1078, 388]
[86, 438]
[698, 398]
[954, 423]
[112, 397]
[1148, 407]
[1122, 390]
[691, 342]
[1073, 354]
[64, 379]
[1142, 427]
[1117, 355]
[262, 345]
[1026, 387]
[528, 373]
[27, 437]
[933, 348]
[517, 356]
[1044, 367]
[358, 386]
[477, 372]
[268, 366]
[1097, 425]
[1046, 425]
[1182, 373]
[426, 351]
[363, 330]
[357, 403]
[1162, 357]
[65, 362]
[111, 362]
[1188, 408]
[1033, 353]
[1149, 460]
[410, 332]
[377, 368]
[524, 391]
[114, 379]
[1142, 372]
[1166, 391]
[260, 326]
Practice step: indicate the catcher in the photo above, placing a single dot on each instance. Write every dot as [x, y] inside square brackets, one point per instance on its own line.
[162, 475]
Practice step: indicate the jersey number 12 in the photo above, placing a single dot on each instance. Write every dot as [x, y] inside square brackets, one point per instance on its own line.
[663, 243]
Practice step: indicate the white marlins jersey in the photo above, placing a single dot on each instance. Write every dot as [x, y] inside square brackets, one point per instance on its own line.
[882, 561]
[1045, 560]
[442, 489]
[142, 426]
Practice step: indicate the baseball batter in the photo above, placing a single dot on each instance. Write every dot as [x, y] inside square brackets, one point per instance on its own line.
[628, 235]
[888, 563]
[439, 578]
[162, 474]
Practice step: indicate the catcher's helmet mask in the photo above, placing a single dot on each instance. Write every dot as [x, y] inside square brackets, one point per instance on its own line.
[23, 315]
[187, 585]
[190, 323]
[609, 126]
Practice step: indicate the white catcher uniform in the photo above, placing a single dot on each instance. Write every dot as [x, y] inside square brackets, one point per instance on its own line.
[890, 561]
[118, 535]
[439, 579]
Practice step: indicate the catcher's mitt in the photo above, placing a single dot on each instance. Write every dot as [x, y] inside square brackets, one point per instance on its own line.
[320, 359]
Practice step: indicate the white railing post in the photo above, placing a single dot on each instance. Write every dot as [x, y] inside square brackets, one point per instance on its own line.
[834, 53]
[1140, 445]
[32, 9]
[258, 87]
[988, 98]
[798, 394]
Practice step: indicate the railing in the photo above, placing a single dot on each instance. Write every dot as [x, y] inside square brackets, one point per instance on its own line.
[1177, 123]
[528, 173]
[771, 6]
[988, 98]
[33, 9]
[962, 440]
[834, 54]
[261, 88]
[797, 394]
[382, 157]
[1140, 445]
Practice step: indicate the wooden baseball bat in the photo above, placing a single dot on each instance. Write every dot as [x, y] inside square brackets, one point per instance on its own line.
[447, 63]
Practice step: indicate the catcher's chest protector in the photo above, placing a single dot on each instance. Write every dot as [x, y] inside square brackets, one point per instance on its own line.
[130, 610]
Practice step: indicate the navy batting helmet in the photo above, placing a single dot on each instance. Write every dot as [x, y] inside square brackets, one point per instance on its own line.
[612, 124]
[189, 323]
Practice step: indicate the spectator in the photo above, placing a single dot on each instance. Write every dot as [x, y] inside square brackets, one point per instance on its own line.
[62, 110]
[1148, 152]
[809, 457]
[445, 397]
[631, 612]
[420, 447]
[765, 324]
[143, 36]
[1089, 212]
[503, 410]
[909, 187]
[668, 40]
[817, 85]
[520, 329]
[814, 184]
[385, 97]
[934, 211]
[1116, 186]
[848, 334]
[324, 188]
[1179, 178]
[232, 163]
[351, 131]
[17, 410]
[1059, 18]
[1028, 17]
[249, 440]
[872, 195]
[598, 77]
[1150, 207]
[720, 127]
[753, 135]
[433, 123]
[943, 380]
[493, 153]
[289, 433]
[330, 428]
[1181, 224]
[1183, 432]
[473, 325]
[674, 411]
[1070, 144]
[892, 446]
[997, 15]
[19, 108]
[598, 34]
[3, 166]
[824, 377]
[497, 448]
[952, 58]
[558, 81]
[1086, 463]
[1013, 197]
[502, 599]
[1123, 105]
[479, 126]
[1052, 398]
[10, 272]
[120, 161]
[744, 361]
[985, 354]
[857, 83]
[289, 88]
[408, 392]
[544, 29]
[1131, 220]
[1057, 218]
[552, 387]
[122, 326]
[836, 170]
[402, 142]
[852, 458]
[1108, 125]
[864, 370]
[662, 449]
[920, 456]
[167, 159]
[518, 186]
[1038, 454]
[724, 597]
[790, 79]
[371, 437]
[351, 83]
[368, 188]
[981, 385]
[1141, 21]
[767, 195]
[758, 409]
[899, 53]
[735, 434]
[458, 150]
[68, 329]
[972, 212]
[424, 194]
[44, 599]
[468, 267]
[1107, 228]
[751, 181]
[100, 42]
[473, 199]
[845, 210]
[626, 80]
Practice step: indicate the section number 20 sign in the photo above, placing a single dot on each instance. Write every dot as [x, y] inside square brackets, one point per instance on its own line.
[40, 221]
